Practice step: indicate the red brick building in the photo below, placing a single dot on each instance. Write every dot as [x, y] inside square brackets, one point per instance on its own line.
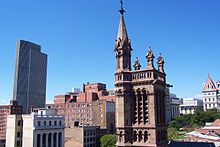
[13, 108]
[93, 106]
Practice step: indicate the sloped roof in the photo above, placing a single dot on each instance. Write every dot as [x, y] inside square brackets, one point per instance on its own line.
[209, 85]
[190, 144]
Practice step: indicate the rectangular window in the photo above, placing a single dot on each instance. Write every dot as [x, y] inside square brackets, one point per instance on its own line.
[18, 134]
[45, 123]
[55, 123]
[60, 122]
[38, 123]
[19, 122]
[50, 123]
[18, 143]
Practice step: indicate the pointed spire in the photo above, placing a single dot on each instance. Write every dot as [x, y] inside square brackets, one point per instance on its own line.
[122, 31]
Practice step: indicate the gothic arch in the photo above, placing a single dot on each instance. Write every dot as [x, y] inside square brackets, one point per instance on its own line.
[140, 136]
[145, 136]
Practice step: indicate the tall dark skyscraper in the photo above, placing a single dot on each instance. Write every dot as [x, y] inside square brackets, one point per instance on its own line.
[30, 76]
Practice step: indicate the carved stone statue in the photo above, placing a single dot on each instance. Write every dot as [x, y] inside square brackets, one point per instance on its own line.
[137, 64]
[150, 59]
[160, 63]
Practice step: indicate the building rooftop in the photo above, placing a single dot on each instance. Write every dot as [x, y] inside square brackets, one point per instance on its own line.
[191, 144]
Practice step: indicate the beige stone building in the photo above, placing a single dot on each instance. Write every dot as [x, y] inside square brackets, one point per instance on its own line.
[82, 136]
[140, 96]
[38, 129]
[5, 110]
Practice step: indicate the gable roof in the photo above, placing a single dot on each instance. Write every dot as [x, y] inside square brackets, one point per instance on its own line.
[209, 85]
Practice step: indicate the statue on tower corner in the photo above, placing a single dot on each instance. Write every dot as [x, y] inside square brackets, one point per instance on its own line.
[150, 58]
[160, 63]
[137, 64]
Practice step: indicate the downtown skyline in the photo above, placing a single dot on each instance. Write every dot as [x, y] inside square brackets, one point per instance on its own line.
[79, 36]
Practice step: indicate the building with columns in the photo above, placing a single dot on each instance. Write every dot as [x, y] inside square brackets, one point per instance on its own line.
[211, 95]
[140, 96]
[189, 105]
[174, 105]
[38, 129]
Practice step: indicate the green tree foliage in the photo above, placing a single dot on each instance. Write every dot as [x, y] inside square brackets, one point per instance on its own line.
[181, 121]
[108, 140]
[174, 134]
[198, 119]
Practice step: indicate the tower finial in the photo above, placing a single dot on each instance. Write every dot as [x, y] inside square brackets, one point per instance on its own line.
[122, 9]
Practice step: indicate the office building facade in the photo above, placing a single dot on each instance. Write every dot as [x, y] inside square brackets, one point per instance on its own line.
[30, 76]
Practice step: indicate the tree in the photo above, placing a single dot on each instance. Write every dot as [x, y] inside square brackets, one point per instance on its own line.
[108, 140]
[198, 119]
[172, 133]
[181, 121]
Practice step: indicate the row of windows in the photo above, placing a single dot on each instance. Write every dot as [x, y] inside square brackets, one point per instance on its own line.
[91, 139]
[89, 132]
[209, 93]
[49, 123]
[80, 115]
[210, 99]
[90, 145]
[73, 106]
[211, 105]
[78, 110]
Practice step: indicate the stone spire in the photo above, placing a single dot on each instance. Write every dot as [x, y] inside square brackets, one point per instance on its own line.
[160, 63]
[122, 31]
[123, 45]
[150, 58]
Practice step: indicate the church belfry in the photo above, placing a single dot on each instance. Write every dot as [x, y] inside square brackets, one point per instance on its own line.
[122, 45]
[140, 96]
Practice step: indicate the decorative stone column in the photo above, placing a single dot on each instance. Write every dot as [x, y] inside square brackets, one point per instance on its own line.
[57, 141]
[46, 139]
[41, 140]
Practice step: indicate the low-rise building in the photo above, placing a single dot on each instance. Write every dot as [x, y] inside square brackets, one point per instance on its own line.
[5, 110]
[41, 128]
[82, 136]
[172, 105]
[211, 95]
[189, 105]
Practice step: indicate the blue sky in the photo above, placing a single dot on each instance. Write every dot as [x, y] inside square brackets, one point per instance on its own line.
[78, 36]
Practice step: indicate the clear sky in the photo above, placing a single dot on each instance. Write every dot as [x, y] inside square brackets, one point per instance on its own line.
[78, 36]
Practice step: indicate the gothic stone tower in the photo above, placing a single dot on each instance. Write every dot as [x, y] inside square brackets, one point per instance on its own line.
[140, 102]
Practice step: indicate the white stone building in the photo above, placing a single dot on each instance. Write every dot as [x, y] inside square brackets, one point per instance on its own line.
[38, 129]
[189, 105]
[211, 96]
[174, 105]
